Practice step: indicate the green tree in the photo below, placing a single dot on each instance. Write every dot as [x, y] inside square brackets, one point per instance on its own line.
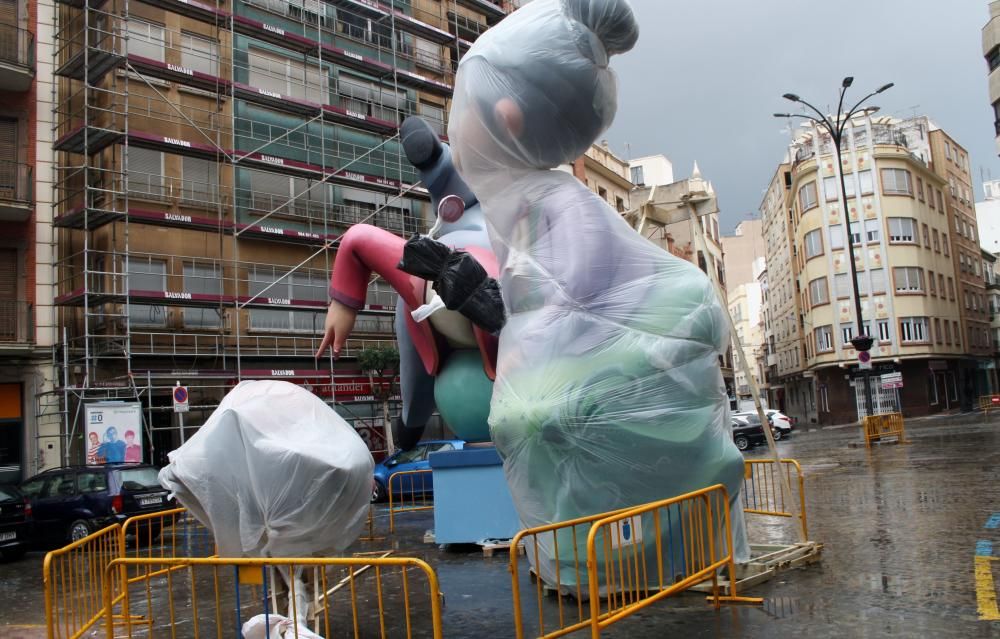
[380, 363]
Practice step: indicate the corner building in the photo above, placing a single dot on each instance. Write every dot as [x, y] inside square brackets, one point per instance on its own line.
[209, 156]
[909, 217]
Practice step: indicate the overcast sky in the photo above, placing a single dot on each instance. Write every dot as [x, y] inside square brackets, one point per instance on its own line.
[706, 76]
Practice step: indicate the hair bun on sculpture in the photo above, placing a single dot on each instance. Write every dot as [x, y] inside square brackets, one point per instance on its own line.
[612, 21]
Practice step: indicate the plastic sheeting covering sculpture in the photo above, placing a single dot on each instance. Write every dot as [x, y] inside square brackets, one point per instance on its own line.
[608, 390]
[274, 472]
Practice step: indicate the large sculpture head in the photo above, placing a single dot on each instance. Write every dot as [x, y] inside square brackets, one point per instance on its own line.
[536, 90]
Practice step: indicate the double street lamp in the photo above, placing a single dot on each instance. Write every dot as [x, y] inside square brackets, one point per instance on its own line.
[862, 342]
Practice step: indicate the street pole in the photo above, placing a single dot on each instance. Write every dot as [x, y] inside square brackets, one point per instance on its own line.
[862, 342]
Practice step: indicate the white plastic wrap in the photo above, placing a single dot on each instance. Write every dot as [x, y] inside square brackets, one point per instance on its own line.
[274, 472]
[609, 391]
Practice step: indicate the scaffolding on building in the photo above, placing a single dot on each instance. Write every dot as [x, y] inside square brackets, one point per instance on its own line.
[196, 145]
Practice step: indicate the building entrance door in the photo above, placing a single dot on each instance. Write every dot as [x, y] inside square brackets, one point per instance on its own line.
[886, 400]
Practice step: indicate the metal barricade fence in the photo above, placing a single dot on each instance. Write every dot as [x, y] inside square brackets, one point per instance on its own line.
[634, 557]
[215, 597]
[988, 403]
[763, 492]
[409, 491]
[75, 578]
[877, 427]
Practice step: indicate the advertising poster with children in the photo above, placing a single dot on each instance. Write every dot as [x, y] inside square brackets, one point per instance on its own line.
[114, 432]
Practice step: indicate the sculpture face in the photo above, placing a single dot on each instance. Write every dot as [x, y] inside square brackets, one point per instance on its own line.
[535, 91]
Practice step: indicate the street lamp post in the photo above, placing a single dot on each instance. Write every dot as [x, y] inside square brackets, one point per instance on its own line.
[862, 342]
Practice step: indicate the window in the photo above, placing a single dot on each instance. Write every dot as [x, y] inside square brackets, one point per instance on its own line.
[145, 174]
[836, 237]
[867, 186]
[807, 197]
[927, 236]
[369, 98]
[902, 229]
[913, 329]
[814, 243]
[847, 334]
[947, 332]
[199, 53]
[200, 182]
[637, 177]
[878, 280]
[938, 337]
[619, 205]
[932, 283]
[937, 240]
[941, 284]
[433, 114]
[831, 187]
[871, 232]
[145, 39]
[428, 54]
[944, 244]
[148, 275]
[951, 289]
[824, 338]
[288, 77]
[896, 182]
[202, 279]
[930, 195]
[920, 189]
[269, 283]
[842, 285]
[947, 150]
[908, 279]
[819, 292]
[884, 334]
[940, 201]
[958, 334]
[92, 482]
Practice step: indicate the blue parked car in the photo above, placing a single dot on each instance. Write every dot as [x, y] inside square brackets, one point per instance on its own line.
[70, 503]
[406, 460]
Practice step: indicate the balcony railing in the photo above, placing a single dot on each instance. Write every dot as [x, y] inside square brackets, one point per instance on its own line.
[15, 321]
[17, 46]
[15, 182]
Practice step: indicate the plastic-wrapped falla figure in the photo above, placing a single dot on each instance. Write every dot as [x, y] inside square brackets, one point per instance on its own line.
[445, 361]
[608, 390]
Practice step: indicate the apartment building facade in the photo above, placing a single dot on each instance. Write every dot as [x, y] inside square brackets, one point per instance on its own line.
[991, 52]
[908, 216]
[208, 159]
[605, 174]
[26, 311]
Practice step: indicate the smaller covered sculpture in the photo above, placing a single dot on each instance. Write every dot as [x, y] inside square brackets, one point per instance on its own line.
[274, 472]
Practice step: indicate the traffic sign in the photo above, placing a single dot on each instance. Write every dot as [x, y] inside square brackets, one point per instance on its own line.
[891, 380]
[181, 399]
[864, 360]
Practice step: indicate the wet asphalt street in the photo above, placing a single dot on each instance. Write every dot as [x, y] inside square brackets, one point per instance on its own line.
[901, 526]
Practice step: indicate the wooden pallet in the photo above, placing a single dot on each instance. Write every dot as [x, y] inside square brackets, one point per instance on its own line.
[766, 562]
[491, 546]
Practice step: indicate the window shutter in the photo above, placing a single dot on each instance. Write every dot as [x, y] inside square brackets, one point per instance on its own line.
[145, 172]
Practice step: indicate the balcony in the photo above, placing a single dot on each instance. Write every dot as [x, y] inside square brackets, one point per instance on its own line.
[17, 58]
[16, 191]
[15, 323]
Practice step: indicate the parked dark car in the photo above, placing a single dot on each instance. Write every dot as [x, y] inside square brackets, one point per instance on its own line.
[781, 425]
[405, 460]
[16, 525]
[70, 503]
[748, 432]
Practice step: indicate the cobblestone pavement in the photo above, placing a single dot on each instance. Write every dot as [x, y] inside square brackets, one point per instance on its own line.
[902, 527]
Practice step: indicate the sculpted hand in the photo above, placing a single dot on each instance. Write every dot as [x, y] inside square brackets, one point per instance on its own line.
[339, 324]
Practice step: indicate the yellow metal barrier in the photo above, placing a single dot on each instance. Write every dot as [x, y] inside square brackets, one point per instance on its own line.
[763, 493]
[409, 491]
[634, 557]
[75, 577]
[988, 403]
[877, 427]
[214, 597]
